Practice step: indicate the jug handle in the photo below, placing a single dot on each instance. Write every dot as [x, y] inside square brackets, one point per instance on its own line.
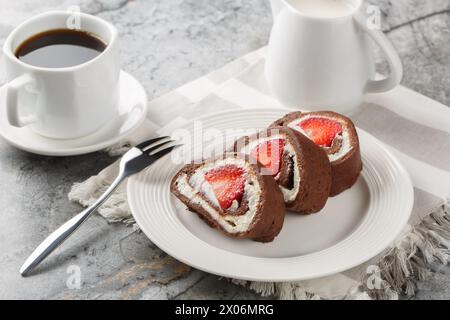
[395, 64]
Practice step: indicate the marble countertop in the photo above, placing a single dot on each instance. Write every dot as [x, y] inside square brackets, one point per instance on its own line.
[166, 44]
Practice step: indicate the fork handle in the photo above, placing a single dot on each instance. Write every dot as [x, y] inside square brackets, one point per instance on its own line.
[55, 239]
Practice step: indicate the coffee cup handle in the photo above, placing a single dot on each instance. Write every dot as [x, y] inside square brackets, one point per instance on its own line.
[12, 101]
[395, 64]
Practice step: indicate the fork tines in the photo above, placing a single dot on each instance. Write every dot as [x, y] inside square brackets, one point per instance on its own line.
[158, 146]
[150, 142]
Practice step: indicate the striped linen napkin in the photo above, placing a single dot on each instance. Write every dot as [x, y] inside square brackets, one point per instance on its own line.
[413, 127]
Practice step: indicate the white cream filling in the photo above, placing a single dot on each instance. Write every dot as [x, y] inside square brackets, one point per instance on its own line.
[289, 194]
[196, 186]
[344, 137]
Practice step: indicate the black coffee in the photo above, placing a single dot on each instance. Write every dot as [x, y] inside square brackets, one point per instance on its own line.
[60, 48]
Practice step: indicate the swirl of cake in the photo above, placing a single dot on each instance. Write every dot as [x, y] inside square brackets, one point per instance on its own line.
[336, 134]
[299, 166]
[230, 194]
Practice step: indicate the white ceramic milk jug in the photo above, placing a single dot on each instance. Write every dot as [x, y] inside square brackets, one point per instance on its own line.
[319, 55]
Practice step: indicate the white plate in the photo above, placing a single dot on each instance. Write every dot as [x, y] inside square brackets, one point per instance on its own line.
[353, 227]
[131, 113]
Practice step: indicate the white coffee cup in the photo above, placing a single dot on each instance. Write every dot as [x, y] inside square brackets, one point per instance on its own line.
[62, 103]
[320, 57]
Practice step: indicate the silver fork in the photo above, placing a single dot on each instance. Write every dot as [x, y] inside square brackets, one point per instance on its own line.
[135, 160]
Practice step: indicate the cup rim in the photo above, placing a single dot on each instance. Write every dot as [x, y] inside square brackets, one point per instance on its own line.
[9, 52]
[287, 4]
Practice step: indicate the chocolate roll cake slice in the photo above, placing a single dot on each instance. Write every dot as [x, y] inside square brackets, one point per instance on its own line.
[230, 194]
[336, 134]
[300, 167]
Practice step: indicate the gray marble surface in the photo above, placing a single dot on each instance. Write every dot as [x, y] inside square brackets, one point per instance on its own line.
[165, 44]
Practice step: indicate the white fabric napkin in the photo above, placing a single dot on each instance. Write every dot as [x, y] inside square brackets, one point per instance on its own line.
[415, 128]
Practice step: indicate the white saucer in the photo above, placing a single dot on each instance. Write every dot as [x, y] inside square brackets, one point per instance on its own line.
[131, 113]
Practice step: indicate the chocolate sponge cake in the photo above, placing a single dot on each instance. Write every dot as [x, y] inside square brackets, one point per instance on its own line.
[230, 194]
[299, 166]
[336, 134]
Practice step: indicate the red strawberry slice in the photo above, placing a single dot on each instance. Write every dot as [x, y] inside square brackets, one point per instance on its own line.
[269, 154]
[227, 183]
[321, 130]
